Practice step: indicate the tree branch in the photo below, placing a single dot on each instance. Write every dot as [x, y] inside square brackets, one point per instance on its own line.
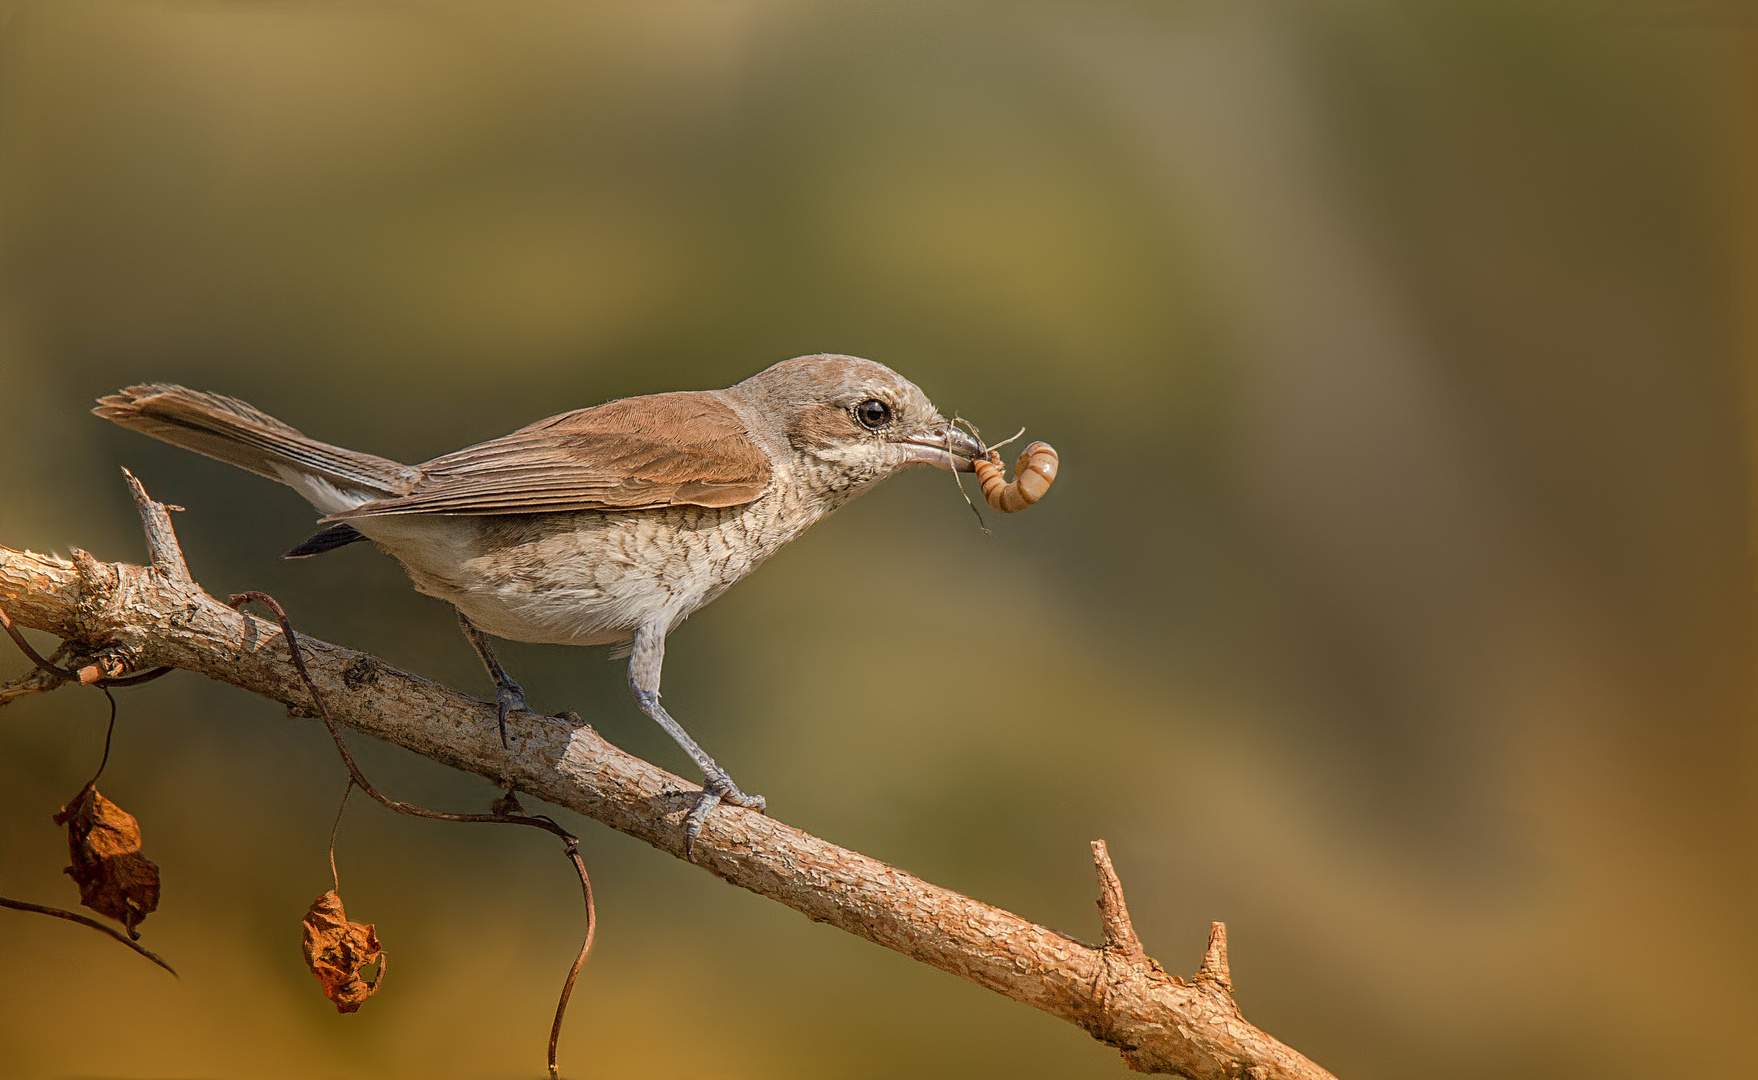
[130, 618]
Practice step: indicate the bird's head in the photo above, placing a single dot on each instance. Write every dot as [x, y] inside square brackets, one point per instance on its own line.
[851, 421]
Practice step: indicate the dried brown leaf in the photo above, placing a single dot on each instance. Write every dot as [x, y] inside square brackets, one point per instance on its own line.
[337, 950]
[114, 878]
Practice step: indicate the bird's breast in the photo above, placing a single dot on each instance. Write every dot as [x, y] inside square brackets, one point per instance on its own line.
[589, 577]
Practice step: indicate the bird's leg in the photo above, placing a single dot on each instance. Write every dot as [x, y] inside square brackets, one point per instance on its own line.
[645, 660]
[508, 695]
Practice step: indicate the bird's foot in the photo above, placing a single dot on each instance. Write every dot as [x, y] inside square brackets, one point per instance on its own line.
[718, 789]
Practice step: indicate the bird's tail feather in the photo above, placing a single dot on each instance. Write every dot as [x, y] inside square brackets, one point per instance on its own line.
[232, 431]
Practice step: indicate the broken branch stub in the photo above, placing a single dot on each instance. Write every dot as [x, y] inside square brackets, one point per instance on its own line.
[1113, 912]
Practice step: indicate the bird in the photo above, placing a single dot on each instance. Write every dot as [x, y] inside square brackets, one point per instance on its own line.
[607, 525]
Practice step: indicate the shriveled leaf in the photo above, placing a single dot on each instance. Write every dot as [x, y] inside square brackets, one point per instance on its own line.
[114, 878]
[337, 950]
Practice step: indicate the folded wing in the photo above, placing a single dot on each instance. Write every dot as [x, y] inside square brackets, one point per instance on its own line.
[681, 449]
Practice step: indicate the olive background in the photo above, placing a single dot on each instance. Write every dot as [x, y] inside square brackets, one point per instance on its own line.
[1394, 605]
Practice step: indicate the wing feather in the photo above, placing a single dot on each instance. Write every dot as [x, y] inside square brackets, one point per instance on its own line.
[682, 449]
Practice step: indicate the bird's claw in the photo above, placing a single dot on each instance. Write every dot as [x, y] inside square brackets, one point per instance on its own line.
[718, 789]
[508, 698]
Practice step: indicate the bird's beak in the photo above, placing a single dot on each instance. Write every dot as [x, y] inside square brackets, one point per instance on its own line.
[945, 447]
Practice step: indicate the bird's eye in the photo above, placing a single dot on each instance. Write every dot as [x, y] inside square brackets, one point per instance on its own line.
[873, 414]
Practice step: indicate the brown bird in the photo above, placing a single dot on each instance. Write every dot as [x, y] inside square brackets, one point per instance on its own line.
[606, 525]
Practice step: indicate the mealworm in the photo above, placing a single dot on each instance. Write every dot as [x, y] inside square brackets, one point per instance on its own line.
[1032, 476]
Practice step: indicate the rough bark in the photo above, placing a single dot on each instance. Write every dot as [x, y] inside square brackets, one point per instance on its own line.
[119, 618]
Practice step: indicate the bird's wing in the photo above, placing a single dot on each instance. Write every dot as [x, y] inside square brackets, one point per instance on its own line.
[682, 449]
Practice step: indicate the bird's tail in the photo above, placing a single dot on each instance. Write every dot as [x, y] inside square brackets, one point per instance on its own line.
[229, 430]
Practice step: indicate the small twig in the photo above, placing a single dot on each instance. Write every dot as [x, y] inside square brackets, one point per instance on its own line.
[74, 916]
[1113, 912]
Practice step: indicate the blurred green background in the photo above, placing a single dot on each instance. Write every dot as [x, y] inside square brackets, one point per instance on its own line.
[1395, 604]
